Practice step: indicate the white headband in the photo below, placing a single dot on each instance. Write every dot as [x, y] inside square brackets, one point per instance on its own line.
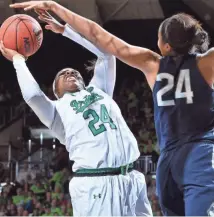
[54, 89]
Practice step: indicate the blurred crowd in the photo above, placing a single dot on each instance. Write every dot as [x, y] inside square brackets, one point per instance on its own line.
[151, 191]
[10, 97]
[35, 195]
[9, 93]
[5, 95]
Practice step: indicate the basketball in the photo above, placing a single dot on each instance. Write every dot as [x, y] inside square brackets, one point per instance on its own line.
[22, 33]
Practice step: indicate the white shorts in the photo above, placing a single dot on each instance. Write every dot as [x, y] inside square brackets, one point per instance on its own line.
[110, 195]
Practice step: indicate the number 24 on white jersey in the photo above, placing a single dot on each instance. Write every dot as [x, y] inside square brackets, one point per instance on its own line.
[183, 80]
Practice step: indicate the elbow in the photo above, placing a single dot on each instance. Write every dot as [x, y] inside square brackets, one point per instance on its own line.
[107, 56]
[94, 26]
[28, 99]
[96, 35]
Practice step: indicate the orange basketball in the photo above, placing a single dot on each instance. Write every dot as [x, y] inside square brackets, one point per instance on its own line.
[22, 33]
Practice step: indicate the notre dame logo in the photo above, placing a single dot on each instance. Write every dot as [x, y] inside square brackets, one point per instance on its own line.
[210, 211]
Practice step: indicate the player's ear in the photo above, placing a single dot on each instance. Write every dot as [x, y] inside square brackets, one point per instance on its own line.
[168, 48]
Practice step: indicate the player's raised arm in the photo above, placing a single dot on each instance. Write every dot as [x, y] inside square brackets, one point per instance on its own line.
[43, 107]
[137, 57]
[105, 68]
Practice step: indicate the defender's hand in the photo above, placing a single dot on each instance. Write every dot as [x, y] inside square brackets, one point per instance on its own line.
[53, 24]
[29, 5]
[7, 53]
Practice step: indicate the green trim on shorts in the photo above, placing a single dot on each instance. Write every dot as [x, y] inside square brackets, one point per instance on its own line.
[123, 170]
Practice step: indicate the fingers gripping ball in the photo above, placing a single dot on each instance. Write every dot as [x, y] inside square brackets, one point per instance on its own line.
[22, 33]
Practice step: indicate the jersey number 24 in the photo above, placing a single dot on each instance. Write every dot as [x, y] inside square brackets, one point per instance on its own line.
[183, 81]
[104, 118]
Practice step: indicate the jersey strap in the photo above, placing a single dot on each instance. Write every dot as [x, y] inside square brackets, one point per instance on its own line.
[123, 170]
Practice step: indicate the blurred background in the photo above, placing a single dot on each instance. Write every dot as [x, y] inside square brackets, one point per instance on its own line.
[34, 167]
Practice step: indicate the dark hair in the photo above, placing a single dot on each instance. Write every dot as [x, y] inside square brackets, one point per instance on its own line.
[184, 34]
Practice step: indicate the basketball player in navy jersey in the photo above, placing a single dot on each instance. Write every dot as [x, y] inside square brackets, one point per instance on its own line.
[181, 81]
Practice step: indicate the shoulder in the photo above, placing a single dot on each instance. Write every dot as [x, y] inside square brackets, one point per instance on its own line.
[205, 60]
[206, 57]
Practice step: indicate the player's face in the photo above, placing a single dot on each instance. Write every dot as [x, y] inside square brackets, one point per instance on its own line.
[68, 80]
[165, 48]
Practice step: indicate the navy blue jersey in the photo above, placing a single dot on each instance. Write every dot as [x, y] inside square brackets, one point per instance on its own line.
[183, 103]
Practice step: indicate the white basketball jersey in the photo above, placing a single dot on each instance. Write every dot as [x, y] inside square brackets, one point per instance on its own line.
[96, 135]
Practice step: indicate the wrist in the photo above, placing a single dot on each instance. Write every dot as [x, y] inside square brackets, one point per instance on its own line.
[18, 57]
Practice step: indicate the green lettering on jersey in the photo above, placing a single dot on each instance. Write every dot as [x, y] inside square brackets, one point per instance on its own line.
[104, 117]
[91, 125]
[80, 106]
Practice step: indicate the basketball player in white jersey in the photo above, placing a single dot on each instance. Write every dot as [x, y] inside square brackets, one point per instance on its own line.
[89, 123]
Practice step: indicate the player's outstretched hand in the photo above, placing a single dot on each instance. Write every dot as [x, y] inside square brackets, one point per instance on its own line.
[52, 23]
[7, 53]
[29, 5]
